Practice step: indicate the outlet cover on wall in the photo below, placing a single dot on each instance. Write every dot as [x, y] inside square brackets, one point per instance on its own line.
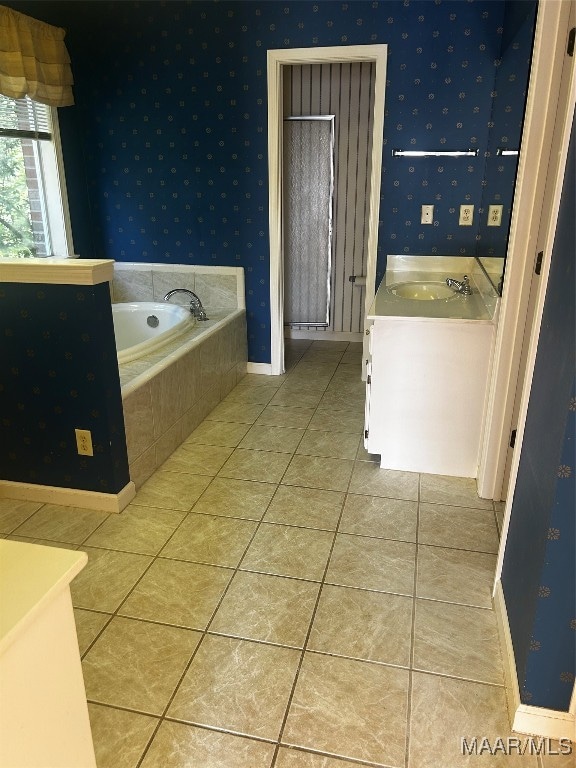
[466, 215]
[427, 214]
[84, 442]
[494, 215]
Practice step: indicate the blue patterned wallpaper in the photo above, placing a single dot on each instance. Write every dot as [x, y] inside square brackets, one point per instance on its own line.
[166, 150]
[538, 571]
[59, 373]
[551, 662]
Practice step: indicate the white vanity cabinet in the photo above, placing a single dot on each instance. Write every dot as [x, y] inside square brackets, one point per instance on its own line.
[427, 380]
[43, 711]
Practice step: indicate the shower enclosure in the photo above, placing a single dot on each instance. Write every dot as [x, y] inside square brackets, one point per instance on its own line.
[307, 219]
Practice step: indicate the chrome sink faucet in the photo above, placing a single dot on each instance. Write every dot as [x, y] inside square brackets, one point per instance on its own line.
[460, 286]
[195, 304]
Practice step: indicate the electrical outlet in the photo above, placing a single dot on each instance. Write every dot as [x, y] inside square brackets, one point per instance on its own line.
[466, 215]
[494, 215]
[427, 214]
[84, 442]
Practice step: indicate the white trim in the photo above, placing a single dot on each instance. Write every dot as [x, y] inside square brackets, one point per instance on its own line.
[542, 104]
[506, 650]
[68, 497]
[277, 59]
[57, 205]
[547, 233]
[548, 723]
[262, 368]
[550, 113]
[572, 710]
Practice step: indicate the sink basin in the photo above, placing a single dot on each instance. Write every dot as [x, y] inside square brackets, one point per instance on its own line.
[422, 290]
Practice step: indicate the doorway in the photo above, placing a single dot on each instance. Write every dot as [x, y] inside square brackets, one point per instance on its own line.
[279, 63]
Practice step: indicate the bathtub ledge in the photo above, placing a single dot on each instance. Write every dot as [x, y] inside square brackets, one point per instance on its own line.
[52, 271]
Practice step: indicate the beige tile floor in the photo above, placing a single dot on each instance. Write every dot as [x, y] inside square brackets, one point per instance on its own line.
[273, 598]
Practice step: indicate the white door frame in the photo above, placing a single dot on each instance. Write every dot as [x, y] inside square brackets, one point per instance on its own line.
[538, 163]
[547, 231]
[277, 59]
[556, 134]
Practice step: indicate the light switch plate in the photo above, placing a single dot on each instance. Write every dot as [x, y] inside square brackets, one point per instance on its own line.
[427, 214]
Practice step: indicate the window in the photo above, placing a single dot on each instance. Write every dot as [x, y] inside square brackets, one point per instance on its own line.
[34, 218]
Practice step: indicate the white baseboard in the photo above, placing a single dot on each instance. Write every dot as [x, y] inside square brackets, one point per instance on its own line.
[290, 333]
[507, 650]
[263, 368]
[535, 721]
[68, 497]
[548, 723]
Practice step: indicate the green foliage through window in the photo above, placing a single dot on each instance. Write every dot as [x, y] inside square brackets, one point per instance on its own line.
[24, 124]
[16, 237]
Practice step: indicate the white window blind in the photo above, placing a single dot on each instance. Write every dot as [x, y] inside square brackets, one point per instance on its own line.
[25, 119]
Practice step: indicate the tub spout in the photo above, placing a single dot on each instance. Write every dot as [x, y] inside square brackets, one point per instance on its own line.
[460, 286]
[195, 304]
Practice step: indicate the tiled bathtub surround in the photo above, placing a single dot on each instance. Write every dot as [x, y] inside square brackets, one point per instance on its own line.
[167, 393]
[273, 599]
[216, 287]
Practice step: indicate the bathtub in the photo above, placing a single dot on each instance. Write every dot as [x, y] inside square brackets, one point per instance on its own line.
[144, 326]
[171, 382]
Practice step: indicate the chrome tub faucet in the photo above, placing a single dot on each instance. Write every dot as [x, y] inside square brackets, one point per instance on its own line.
[195, 304]
[460, 286]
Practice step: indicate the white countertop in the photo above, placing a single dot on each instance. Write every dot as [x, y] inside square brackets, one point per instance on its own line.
[478, 307]
[30, 576]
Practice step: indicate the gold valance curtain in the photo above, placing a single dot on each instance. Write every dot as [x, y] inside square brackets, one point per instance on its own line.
[34, 61]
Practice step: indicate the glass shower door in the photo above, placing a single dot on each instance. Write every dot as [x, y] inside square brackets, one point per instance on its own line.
[307, 219]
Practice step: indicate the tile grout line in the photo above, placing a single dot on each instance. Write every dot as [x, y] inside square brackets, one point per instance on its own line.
[205, 631]
[303, 650]
[308, 633]
[296, 676]
[412, 637]
[187, 666]
[114, 613]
